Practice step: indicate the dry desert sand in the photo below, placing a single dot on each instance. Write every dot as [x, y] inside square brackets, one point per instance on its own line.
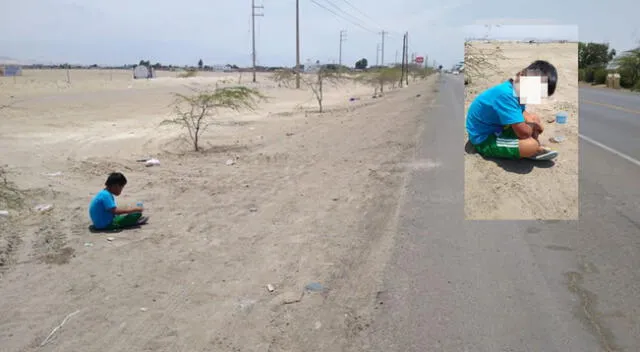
[527, 190]
[311, 198]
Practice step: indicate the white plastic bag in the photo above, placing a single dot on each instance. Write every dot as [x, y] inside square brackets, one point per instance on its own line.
[152, 162]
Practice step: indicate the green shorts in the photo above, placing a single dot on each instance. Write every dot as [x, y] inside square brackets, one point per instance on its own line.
[124, 221]
[504, 146]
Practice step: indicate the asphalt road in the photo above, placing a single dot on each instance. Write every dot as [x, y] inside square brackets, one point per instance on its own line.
[543, 286]
[612, 119]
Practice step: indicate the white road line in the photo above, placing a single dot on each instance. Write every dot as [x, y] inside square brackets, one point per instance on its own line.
[611, 150]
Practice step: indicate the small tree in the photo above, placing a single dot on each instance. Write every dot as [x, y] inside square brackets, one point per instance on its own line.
[480, 62]
[416, 72]
[200, 64]
[196, 111]
[629, 68]
[381, 77]
[362, 64]
[594, 54]
[316, 81]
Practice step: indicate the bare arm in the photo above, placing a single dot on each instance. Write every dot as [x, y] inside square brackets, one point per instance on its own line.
[522, 130]
[122, 211]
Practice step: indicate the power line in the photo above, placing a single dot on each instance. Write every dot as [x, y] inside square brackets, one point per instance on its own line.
[362, 13]
[376, 24]
[344, 18]
[339, 9]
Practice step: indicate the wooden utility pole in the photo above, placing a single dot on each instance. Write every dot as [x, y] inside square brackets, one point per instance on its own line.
[343, 37]
[382, 48]
[253, 33]
[404, 49]
[406, 52]
[297, 44]
[377, 54]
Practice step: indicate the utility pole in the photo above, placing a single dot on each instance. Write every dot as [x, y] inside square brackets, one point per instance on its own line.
[377, 54]
[406, 52]
[382, 49]
[253, 33]
[397, 57]
[343, 37]
[404, 49]
[297, 44]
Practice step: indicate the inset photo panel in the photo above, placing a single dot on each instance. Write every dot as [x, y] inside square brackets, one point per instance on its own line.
[521, 122]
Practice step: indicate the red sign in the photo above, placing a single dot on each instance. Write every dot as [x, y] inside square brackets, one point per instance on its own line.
[419, 59]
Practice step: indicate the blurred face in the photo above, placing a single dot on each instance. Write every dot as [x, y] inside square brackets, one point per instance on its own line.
[531, 87]
[116, 189]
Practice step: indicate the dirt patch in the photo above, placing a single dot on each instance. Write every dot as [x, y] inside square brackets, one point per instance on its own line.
[307, 199]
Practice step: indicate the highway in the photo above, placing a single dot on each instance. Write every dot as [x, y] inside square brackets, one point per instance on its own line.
[456, 285]
[611, 118]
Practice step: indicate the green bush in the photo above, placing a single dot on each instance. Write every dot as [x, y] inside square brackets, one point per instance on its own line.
[589, 75]
[581, 75]
[600, 76]
[626, 80]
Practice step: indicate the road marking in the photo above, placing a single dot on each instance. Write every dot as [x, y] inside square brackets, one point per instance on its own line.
[615, 107]
[611, 150]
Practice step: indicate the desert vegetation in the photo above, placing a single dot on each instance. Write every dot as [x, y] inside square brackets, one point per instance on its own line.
[196, 112]
[325, 76]
[597, 60]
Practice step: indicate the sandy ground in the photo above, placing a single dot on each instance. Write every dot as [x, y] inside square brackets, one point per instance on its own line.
[311, 198]
[511, 190]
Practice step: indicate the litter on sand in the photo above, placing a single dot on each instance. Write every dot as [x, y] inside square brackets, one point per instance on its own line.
[43, 207]
[152, 162]
[314, 287]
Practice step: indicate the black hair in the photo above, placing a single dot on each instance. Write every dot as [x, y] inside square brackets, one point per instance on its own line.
[544, 68]
[116, 179]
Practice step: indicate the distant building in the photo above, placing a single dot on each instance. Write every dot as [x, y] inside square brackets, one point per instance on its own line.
[143, 71]
[10, 70]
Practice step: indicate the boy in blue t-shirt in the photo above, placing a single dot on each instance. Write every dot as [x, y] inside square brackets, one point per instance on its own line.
[498, 125]
[104, 212]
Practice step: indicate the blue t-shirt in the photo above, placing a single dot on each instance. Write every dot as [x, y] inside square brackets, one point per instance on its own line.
[100, 209]
[493, 109]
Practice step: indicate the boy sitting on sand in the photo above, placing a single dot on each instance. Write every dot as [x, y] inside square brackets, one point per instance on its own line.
[498, 124]
[104, 212]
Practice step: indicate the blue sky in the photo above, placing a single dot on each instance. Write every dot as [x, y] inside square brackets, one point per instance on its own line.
[119, 31]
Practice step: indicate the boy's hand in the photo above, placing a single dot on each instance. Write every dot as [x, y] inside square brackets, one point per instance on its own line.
[536, 126]
[136, 210]
[531, 118]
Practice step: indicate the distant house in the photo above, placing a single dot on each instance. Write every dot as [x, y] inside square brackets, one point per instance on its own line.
[143, 71]
[10, 70]
[612, 66]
